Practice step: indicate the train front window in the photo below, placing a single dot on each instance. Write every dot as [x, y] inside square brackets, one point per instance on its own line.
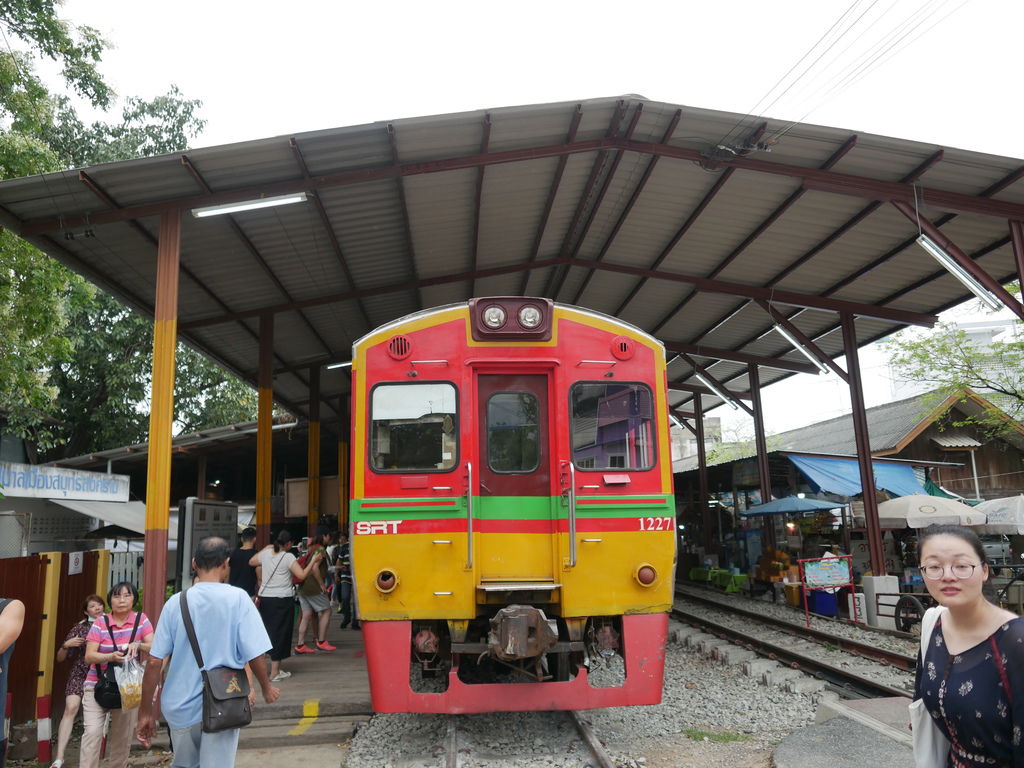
[413, 427]
[612, 426]
[513, 432]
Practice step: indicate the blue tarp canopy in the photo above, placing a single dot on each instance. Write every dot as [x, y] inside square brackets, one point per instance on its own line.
[842, 476]
[789, 505]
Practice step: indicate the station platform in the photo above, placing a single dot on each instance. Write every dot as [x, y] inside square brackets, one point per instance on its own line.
[857, 733]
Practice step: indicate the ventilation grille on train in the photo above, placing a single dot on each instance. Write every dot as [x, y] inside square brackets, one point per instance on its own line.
[399, 347]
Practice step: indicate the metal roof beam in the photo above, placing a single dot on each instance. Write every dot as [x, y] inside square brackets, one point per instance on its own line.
[651, 164]
[697, 368]
[556, 182]
[571, 241]
[701, 283]
[136, 301]
[697, 389]
[805, 340]
[255, 254]
[814, 178]
[406, 225]
[966, 262]
[763, 227]
[738, 357]
[478, 197]
[332, 238]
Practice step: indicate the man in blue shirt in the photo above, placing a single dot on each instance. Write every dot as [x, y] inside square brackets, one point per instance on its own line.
[230, 633]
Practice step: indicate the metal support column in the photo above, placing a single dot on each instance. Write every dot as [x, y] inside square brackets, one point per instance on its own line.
[313, 453]
[860, 432]
[1017, 238]
[265, 431]
[161, 415]
[763, 473]
[201, 476]
[702, 474]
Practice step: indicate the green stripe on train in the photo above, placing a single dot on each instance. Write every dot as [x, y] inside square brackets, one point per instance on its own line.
[511, 508]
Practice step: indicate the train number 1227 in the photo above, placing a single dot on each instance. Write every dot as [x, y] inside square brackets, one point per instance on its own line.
[656, 523]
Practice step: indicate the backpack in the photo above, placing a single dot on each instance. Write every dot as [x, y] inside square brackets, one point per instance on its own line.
[303, 559]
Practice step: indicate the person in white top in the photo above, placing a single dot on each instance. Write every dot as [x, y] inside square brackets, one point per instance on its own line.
[275, 595]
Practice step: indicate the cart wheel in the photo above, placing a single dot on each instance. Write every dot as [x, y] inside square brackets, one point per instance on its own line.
[909, 611]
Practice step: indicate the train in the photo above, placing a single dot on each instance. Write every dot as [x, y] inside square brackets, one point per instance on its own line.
[511, 520]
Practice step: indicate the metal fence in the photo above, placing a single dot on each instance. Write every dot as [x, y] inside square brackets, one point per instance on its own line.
[73, 589]
[126, 566]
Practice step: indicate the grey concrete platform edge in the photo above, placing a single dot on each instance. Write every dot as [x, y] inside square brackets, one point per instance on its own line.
[841, 741]
[828, 709]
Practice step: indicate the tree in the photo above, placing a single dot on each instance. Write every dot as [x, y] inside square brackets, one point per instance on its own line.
[949, 360]
[74, 362]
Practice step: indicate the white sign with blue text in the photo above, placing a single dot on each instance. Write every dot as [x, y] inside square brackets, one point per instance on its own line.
[28, 481]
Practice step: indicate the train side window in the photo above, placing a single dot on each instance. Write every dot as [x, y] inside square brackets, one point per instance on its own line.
[612, 426]
[413, 427]
[513, 432]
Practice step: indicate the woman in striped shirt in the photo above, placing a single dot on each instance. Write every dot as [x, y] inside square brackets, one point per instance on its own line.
[101, 650]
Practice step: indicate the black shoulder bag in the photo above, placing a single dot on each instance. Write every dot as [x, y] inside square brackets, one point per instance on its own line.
[107, 693]
[225, 690]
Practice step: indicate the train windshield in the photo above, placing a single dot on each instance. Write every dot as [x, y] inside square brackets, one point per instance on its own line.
[413, 427]
[612, 426]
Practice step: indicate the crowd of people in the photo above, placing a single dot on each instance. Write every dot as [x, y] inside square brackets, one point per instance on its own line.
[252, 594]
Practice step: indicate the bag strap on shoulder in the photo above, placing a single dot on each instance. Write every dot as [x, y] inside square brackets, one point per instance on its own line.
[190, 630]
[1002, 668]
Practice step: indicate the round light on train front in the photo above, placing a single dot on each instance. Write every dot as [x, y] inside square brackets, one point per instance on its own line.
[494, 317]
[646, 575]
[386, 581]
[529, 316]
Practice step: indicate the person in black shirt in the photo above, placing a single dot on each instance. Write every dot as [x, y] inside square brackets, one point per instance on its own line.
[243, 575]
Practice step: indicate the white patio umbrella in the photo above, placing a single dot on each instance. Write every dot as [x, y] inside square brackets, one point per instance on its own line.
[919, 510]
[1003, 516]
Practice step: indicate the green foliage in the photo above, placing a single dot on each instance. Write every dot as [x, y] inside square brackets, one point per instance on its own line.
[76, 49]
[74, 362]
[947, 359]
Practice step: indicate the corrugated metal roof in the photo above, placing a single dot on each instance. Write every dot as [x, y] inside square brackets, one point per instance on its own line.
[955, 440]
[431, 210]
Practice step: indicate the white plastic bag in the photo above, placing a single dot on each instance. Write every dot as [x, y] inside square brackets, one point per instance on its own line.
[129, 681]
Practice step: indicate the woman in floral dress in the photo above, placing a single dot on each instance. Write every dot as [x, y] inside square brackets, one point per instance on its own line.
[972, 675]
[73, 648]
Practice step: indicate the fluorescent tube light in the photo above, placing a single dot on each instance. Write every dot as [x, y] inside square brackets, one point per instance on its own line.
[959, 272]
[725, 398]
[249, 205]
[676, 421]
[332, 366]
[800, 347]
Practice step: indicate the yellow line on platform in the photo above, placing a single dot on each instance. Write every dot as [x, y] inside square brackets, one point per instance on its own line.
[310, 712]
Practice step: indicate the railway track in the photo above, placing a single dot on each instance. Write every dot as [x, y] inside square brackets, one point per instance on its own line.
[865, 650]
[849, 682]
[461, 748]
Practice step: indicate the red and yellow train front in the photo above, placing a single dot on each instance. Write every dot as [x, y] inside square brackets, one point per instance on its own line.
[512, 517]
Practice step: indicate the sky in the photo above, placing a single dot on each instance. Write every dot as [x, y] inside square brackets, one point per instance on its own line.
[938, 71]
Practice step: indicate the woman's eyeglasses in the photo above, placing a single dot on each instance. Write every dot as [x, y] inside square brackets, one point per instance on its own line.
[960, 570]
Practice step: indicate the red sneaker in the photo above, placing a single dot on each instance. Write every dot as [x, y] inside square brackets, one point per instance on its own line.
[303, 649]
[325, 646]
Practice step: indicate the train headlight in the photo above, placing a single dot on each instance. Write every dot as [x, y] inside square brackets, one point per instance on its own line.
[386, 581]
[645, 574]
[529, 316]
[494, 316]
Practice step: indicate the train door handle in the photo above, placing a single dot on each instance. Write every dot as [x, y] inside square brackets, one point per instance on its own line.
[570, 498]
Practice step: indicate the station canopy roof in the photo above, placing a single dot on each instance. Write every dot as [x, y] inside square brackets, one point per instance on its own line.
[692, 224]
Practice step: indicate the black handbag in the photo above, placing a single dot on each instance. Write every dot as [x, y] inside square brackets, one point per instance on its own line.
[225, 690]
[106, 692]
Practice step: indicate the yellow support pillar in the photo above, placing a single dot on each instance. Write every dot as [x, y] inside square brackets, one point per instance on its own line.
[264, 431]
[313, 452]
[161, 414]
[103, 573]
[47, 652]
